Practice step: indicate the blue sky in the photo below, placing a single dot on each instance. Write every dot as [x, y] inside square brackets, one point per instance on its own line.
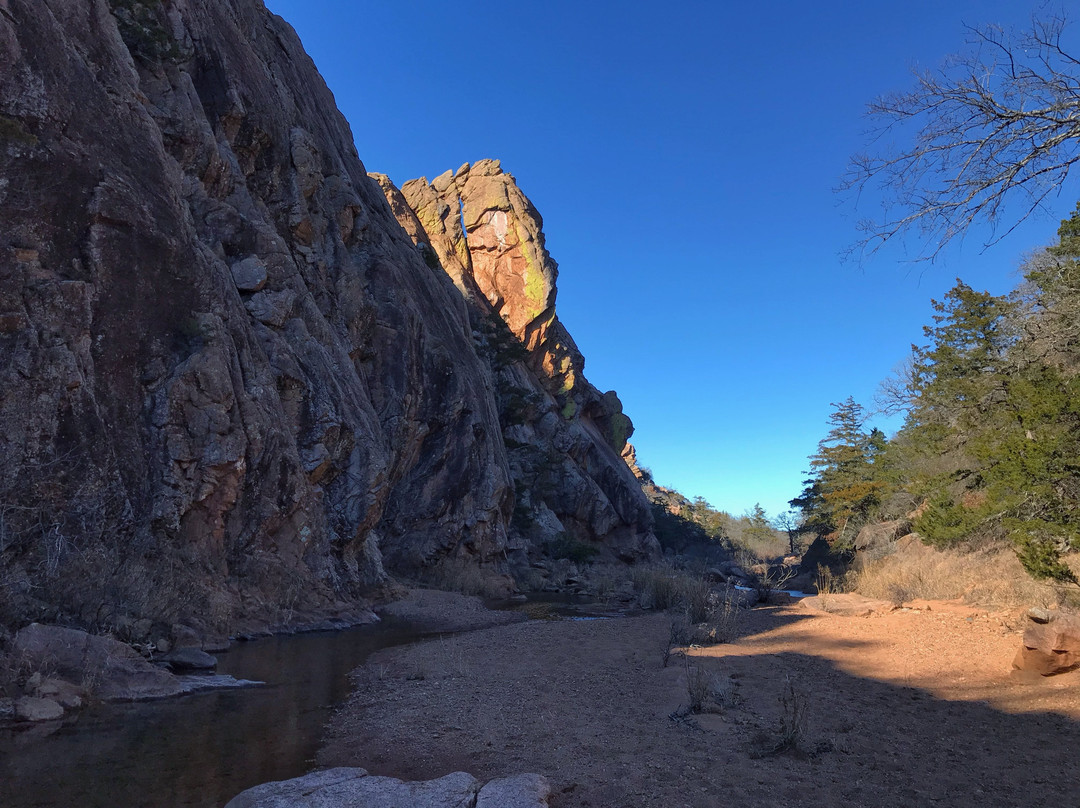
[683, 156]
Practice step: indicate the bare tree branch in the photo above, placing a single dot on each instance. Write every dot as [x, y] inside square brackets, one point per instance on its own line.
[994, 127]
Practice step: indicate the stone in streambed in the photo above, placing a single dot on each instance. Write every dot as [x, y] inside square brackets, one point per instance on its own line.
[355, 788]
[520, 791]
[188, 659]
[108, 669]
[29, 708]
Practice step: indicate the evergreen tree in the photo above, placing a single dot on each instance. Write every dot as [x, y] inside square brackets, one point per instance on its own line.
[844, 488]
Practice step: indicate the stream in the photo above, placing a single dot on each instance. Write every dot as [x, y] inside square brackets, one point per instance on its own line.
[196, 751]
[200, 751]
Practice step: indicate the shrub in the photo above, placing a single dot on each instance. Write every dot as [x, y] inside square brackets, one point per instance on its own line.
[771, 580]
[657, 586]
[793, 709]
[990, 576]
[694, 595]
[698, 687]
[564, 546]
[467, 577]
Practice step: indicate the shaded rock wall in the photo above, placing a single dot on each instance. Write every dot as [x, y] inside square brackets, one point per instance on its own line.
[230, 386]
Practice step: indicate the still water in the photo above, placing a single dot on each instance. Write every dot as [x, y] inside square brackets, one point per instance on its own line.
[197, 751]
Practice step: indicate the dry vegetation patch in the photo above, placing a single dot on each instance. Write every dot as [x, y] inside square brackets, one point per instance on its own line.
[991, 576]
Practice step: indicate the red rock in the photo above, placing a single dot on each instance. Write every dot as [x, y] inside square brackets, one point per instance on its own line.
[1051, 647]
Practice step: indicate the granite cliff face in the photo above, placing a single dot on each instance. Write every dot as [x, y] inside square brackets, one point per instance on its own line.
[563, 436]
[231, 387]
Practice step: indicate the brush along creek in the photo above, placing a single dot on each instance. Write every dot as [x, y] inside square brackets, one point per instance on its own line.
[803, 707]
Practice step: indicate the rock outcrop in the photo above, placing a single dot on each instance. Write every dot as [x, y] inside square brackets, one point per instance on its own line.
[231, 387]
[1051, 643]
[81, 665]
[356, 788]
[564, 436]
[878, 539]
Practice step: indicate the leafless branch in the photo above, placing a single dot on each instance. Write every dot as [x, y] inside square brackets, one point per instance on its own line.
[993, 133]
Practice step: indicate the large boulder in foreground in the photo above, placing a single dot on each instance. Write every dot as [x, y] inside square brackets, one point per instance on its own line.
[1051, 644]
[357, 789]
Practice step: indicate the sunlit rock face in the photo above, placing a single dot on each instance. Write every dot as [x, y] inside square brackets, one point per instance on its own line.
[564, 436]
[231, 387]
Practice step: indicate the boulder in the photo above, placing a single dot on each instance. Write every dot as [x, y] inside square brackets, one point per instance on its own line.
[743, 597]
[357, 789]
[876, 540]
[107, 669]
[520, 791]
[188, 659]
[1051, 644]
[68, 695]
[29, 708]
[249, 275]
[846, 605]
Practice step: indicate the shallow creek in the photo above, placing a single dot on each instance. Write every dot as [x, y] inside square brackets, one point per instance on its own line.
[200, 751]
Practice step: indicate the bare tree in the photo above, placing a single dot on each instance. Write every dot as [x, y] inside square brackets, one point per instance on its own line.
[790, 522]
[894, 393]
[997, 123]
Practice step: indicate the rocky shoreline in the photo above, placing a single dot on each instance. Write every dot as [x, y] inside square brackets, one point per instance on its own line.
[59, 670]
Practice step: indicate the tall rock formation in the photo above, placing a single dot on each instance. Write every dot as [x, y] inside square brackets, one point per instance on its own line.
[230, 386]
[564, 436]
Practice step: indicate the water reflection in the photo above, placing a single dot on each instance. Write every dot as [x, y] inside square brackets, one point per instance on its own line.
[197, 751]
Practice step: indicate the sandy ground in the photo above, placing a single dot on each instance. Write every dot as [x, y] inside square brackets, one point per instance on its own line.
[437, 611]
[909, 708]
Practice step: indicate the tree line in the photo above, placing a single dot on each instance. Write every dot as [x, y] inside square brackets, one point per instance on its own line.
[989, 450]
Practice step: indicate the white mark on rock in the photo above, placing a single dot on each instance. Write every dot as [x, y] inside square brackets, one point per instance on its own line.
[498, 222]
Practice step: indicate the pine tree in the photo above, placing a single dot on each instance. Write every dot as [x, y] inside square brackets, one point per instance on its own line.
[844, 489]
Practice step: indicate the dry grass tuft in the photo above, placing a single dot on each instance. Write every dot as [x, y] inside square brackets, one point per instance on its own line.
[468, 578]
[793, 709]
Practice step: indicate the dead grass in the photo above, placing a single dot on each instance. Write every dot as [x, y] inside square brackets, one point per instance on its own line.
[663, 587]
[987, 577]
[468, 578]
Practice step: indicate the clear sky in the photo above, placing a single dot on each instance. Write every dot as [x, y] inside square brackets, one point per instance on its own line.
[683, 156]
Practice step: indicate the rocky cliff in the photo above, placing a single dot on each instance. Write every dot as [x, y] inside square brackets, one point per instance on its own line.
[564, 437]
[231, 386]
